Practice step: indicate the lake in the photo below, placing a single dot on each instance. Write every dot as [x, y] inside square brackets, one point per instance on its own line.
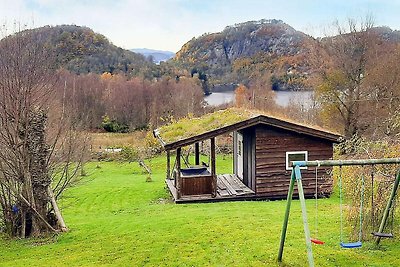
[282, 98]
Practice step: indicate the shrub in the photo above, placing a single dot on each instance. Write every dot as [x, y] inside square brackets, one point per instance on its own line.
[113, 126]
[383, 175]
[129, 153]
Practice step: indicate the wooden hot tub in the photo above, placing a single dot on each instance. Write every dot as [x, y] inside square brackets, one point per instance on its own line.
[196, 181]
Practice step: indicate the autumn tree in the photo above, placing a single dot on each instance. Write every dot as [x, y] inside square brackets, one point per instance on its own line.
[262, 96]
[384, 84]
[343, 88]
[242, 97]
[173, 99]
[83, 95]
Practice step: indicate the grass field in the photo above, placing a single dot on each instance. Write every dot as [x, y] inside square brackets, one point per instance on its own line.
[118, 219]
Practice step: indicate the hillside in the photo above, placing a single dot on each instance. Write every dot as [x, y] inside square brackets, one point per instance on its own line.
[248, 49]
[265, 50]
[81, 50]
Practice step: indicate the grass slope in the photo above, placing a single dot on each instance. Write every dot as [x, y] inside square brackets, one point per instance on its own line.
[117, 219]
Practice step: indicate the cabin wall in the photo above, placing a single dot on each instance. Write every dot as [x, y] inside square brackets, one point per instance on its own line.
[272, 178]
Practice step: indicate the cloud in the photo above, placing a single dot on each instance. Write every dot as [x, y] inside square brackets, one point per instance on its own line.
[168, 24]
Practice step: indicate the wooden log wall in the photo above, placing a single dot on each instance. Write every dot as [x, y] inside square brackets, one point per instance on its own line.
[272, 178]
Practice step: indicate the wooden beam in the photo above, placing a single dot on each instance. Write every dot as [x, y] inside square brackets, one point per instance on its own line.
[345, 162]
[178, 173]
[168, 164]
[156, 134]
[213, 168]
[196, 154]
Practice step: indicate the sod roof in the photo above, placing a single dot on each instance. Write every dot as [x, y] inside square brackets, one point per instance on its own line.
[189, 130]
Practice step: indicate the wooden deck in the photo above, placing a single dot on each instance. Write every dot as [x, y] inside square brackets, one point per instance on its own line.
[229, 187]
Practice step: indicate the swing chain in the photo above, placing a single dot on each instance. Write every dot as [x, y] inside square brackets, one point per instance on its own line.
[361, 204]
[341, 204]
[372, 197]
[316, 200]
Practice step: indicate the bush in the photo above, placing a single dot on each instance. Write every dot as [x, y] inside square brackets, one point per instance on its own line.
[129, 154]
[113, 126]
[153, 146]
[381, 188]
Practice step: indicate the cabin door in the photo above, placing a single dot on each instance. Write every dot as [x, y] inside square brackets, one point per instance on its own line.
[239, 156]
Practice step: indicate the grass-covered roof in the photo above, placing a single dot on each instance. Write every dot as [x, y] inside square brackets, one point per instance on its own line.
[188, 127]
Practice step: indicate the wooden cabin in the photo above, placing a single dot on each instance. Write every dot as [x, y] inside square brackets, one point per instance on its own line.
[263, 147]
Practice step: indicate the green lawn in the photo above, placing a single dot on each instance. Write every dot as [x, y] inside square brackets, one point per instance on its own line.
[118, 219]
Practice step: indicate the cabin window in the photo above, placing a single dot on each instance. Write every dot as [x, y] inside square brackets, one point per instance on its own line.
[296, 156]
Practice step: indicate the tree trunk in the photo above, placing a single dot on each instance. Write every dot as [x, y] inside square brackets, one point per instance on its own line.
[57, 212]
[22, 231]
[37, 153]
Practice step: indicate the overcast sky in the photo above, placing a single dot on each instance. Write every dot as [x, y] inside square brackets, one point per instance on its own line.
[168, 24]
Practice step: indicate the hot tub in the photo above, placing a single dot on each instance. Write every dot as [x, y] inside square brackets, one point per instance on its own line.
[196, 181]
[195, 171]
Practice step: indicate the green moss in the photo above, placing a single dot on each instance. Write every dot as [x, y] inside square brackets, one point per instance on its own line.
[187, 127]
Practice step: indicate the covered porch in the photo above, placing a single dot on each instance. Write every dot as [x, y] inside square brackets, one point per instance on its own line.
[199, 182]
[229, 187]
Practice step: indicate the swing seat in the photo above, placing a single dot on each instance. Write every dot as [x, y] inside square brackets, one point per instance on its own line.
[384, 235]
[317, 241]
[357, 244]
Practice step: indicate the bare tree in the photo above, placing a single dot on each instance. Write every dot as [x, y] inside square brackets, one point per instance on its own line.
[35, 139]
[384, 83]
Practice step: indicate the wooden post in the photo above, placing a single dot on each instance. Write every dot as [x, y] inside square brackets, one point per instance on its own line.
[178, 172]
[196, 154]
[287, 212]
[168, 164]
[213, 169]
[388, 207]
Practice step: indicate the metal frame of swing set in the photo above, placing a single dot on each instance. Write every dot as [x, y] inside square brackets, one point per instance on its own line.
[296, 177]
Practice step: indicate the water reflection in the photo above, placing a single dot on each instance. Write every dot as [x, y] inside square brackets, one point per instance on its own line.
[282, 98]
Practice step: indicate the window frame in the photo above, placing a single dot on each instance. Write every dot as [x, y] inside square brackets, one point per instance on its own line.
[288, 168]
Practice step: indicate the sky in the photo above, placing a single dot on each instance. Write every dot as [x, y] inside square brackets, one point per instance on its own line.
[168, 24]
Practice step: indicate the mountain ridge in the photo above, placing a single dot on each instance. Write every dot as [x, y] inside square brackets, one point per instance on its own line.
[245, 52]
[80, 50]
[157, 56]
[223, 55]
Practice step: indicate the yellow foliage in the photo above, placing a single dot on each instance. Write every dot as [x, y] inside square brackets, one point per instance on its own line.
[106, 76]
[241, 96]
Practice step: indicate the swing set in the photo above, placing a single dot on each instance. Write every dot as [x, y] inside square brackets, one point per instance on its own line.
[296, 177]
